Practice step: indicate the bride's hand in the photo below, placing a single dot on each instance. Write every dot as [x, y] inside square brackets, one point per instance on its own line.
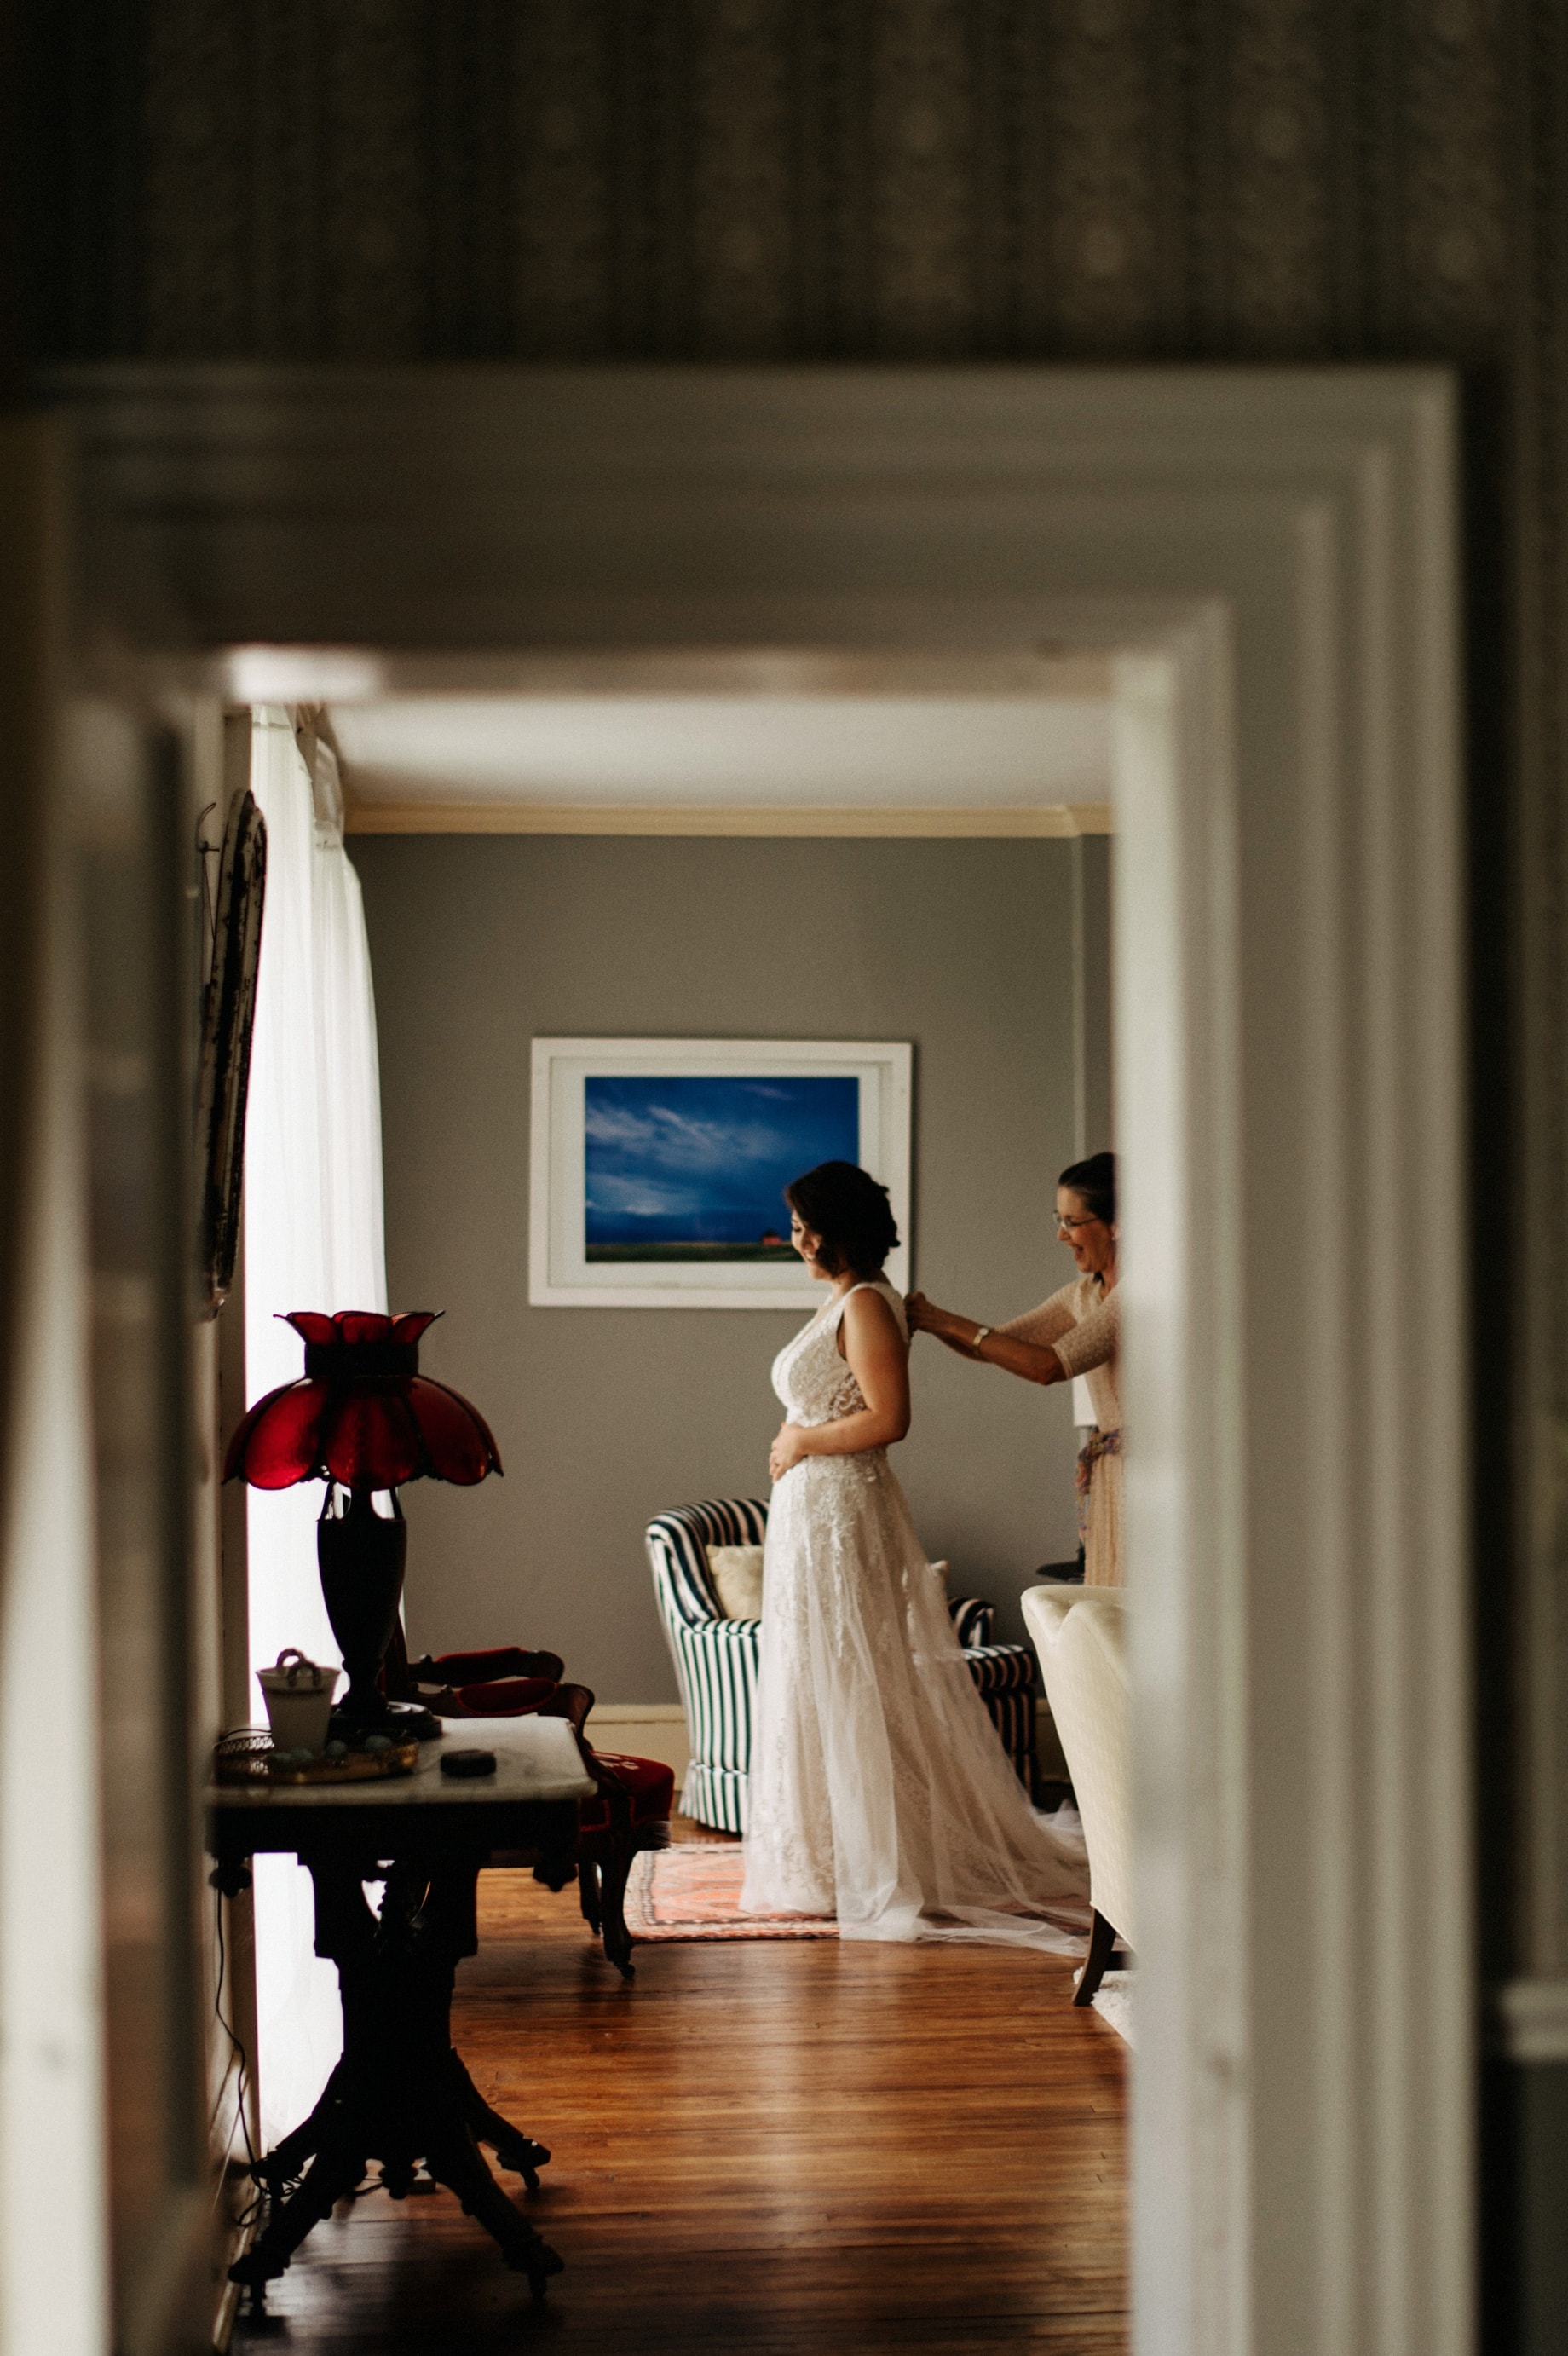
[917, 1309]
[788, 1450]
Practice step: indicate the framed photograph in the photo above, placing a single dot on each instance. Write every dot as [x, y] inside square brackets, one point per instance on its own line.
[658, 1165]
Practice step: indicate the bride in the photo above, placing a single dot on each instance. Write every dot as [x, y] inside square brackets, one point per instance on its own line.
[878, 1790]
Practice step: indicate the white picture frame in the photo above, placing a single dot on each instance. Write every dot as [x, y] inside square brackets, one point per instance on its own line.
[566, 1272]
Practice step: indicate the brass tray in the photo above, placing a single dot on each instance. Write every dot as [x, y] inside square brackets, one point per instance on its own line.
[246, 1757]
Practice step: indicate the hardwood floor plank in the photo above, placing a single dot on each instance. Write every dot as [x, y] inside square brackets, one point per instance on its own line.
[801, 2148]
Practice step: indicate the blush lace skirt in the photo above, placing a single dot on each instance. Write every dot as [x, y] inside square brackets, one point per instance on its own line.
[878, 1790]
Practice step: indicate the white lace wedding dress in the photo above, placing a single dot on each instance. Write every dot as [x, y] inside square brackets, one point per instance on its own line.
[878, 1790]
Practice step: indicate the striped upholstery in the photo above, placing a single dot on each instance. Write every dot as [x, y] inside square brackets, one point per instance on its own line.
[1007, 1676]
[716, 1659]
[972, 1621]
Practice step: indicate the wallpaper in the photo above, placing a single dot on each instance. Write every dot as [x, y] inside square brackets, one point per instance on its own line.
[784, 178]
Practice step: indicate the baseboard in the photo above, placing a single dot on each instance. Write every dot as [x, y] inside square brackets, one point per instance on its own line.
[236, 2240]
[657, 1729]
[236, 2209]
[646, 1729]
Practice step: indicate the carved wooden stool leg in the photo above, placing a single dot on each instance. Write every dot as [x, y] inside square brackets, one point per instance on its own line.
[614, 1867]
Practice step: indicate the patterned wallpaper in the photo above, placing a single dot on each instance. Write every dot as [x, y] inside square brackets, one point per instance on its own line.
[785, 179]
[1028, 179]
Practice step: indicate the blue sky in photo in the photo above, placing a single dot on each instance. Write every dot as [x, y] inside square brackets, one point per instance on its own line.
[707, 1161]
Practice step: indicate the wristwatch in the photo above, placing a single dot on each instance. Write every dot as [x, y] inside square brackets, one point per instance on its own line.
[977, 1338]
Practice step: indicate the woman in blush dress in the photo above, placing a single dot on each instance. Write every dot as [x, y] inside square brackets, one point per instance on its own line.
[879, 1792]
[1077, 1331]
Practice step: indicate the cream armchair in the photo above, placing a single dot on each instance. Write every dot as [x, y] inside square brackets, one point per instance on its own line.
[1079, 1635]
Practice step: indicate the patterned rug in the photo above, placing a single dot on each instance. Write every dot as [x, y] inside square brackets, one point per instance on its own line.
[1114, 2002]
[693, 1891]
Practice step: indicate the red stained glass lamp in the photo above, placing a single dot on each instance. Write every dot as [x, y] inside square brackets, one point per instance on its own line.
[362, 1417]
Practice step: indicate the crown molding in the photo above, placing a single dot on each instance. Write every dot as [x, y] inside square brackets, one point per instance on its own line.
[1056, 820]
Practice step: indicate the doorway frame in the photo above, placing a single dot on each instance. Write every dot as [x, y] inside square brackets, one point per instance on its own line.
[1269, 559]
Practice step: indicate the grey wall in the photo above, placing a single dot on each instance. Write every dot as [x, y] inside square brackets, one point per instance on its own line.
[603, 1416]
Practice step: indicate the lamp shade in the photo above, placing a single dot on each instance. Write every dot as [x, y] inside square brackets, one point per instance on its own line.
[363, 1414]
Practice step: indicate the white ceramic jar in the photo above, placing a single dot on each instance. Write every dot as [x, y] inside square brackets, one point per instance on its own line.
[299, 1701]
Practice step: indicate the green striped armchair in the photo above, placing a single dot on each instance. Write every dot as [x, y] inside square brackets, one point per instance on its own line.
[716, 1659]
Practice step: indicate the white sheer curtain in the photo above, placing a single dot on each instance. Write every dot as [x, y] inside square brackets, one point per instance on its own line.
[313, 1239]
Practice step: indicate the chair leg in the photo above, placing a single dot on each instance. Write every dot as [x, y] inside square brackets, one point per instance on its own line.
[613, 1871]
[587, 1894]
[1102, 1939]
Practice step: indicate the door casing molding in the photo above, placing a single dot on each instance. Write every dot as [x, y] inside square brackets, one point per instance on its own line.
[1268, 558]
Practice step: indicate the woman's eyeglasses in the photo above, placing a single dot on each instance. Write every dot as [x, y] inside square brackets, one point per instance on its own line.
[1070, 1226]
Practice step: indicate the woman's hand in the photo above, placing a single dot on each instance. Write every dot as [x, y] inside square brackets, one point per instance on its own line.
[788, 1449]
[1007, 1351]
[925, 1317]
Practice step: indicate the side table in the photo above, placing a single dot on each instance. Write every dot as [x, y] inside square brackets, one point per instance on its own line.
[400, 2094]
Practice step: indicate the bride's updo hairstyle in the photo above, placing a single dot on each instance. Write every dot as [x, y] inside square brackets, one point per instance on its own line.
[846, 1207]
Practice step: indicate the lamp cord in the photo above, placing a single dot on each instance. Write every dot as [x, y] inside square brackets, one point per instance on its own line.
[242, 2082]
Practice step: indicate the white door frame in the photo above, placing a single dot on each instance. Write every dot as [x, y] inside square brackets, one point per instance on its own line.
[1271, 556]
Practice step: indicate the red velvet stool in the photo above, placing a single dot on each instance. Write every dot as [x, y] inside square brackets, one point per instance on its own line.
[632, 1807]
[631, 1813]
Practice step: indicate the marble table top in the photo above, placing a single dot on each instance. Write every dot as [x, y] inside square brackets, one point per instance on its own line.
[537, 1758]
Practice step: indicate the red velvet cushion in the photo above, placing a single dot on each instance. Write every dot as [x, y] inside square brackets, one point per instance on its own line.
[650, 1783]
[507, 1698]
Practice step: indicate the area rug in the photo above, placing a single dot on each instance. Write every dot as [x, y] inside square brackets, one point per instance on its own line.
[1114, 2003]
[693, 1891]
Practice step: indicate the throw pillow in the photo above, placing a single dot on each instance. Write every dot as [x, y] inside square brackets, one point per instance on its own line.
[737, 1575]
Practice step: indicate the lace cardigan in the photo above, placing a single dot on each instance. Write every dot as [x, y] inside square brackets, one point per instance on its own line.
[1082, 1324]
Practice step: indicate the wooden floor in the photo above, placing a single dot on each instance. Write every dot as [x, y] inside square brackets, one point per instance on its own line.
[773, 2145]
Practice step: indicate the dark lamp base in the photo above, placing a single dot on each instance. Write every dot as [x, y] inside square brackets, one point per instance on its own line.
[400, 1721]
[360, 1554]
